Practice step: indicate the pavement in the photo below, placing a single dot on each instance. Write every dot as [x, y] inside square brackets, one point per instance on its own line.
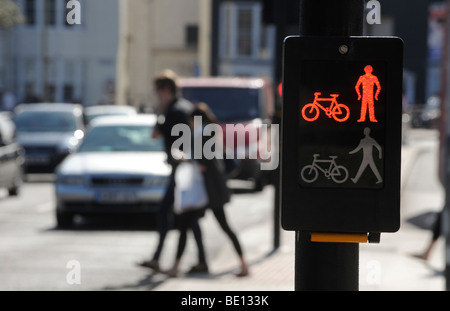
[388, 266]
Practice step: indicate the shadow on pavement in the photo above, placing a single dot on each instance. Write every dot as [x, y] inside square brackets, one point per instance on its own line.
[149, 282]
[153, 279]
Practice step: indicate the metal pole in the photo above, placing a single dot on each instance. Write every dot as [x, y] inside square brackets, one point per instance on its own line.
[328, 266]
[444, 167]
[44, 50]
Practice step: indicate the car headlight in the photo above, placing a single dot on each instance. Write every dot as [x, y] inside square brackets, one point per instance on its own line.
[71, 180]
[155, 181]
[70, 144]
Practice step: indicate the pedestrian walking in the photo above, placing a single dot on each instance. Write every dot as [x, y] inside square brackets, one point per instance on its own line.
[436, 233]
[8, 101]
[188, 220]
[217, 189]
[171, 110]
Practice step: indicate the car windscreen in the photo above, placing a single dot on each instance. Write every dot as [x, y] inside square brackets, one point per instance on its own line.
[227, 103]
[45, 121]
[92, 116]
[121, 138]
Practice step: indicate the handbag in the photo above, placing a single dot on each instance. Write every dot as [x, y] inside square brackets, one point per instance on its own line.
[190, 190]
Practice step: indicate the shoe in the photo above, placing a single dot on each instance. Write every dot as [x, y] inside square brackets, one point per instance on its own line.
[420, 256]
[152, 264]
[199, 268]
[172, 273]
[242, 274]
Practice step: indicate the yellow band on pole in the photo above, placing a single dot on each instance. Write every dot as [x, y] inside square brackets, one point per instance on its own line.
[339, 237]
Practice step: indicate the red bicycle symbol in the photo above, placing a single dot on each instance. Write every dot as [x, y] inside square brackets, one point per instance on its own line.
[339, 112]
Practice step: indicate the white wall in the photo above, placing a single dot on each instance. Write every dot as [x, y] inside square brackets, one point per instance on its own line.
[84, 54]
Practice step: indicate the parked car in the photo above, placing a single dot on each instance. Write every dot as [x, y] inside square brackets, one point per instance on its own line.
[11, 157]
[245, 101]
[92, 112]
[48, 133]
[428, 115]
[118, 168]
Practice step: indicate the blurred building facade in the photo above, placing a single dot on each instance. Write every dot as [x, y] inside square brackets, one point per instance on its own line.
[421, 24]
[193, 38]
[48, 59]
[246, 46]
[155, 35]
[121, 45]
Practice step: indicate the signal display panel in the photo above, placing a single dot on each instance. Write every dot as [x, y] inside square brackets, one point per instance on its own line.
[342, 124]
[341, 134]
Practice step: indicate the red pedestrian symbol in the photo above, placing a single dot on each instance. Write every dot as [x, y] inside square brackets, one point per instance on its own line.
[368, 82]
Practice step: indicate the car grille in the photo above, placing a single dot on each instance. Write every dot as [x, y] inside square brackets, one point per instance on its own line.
[117, 181]
[40, 149]
[92, 207]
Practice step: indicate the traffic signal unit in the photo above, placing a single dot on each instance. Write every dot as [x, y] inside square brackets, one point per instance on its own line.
[341, 134]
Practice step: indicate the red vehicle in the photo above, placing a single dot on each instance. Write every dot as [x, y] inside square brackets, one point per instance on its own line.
[243, 106]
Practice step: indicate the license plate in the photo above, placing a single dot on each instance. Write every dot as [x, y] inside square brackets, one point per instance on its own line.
[38, 159]
[117, 197]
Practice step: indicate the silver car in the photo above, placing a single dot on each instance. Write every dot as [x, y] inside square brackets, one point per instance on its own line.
[92, 112]
[118, 168]
[48, 132]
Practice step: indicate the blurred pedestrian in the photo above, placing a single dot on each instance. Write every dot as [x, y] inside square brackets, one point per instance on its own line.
[436, 233]
[188, 220]
[171, 110]
[30, 95]
[8, 101]
[217, 189]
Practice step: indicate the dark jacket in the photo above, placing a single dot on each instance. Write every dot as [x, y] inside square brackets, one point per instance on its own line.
[215, 181]
[178, 112]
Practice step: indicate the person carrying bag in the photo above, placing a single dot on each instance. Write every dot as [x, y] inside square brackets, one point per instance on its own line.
[190, 190]
[213, 181]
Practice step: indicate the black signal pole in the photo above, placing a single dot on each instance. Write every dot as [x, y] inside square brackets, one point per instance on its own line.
[328, 266]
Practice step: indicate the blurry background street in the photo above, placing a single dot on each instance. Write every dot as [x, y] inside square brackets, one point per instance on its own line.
[34, 253]
[109, 60]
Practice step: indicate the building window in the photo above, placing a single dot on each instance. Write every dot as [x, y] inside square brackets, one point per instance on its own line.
[68, 93]
[30, 70]
[240, 32]
[227, 30]
[245, 31]
[65, 12]
[191, 36]
[50, 12]
[50, 92]
[30, 12]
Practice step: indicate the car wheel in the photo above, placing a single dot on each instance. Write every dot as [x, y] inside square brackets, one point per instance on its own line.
[64, 219]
